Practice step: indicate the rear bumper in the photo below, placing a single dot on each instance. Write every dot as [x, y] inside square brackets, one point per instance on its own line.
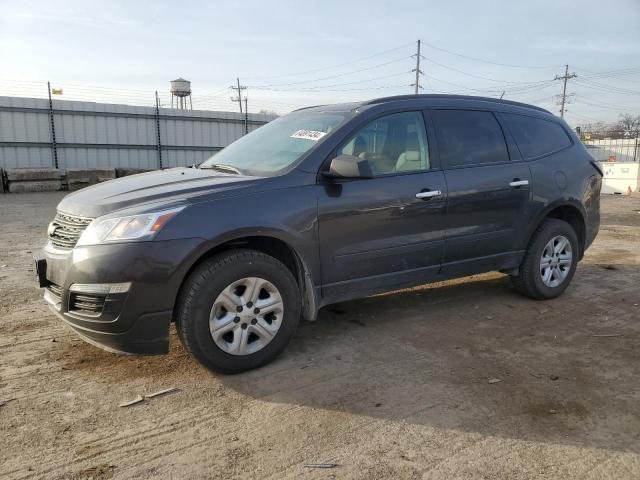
[592, 230]
[592, 207]
[117, 297]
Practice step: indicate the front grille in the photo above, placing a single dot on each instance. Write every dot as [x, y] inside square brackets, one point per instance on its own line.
[86, 304]
[55, 290]
[65, 230]
[53, 295]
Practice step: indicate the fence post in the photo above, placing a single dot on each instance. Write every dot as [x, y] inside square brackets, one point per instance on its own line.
[54, 148]
[158, 131]
[246, 116]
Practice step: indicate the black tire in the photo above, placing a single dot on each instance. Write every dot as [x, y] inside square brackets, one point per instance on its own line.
[529, 282]
[204, 285]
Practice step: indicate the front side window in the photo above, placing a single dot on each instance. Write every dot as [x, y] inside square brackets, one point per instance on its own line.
[469, 137]
[277, 145]
[536, 137]
[393, 143]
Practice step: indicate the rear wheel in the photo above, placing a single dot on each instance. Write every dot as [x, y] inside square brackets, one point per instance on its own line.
[549, 262]
[238, 310]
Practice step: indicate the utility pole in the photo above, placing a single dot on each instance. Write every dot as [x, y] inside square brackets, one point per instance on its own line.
[565, 77]
[239, 88]
[417, 70]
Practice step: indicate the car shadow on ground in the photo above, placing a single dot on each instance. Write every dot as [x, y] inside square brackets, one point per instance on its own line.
[473, 355]
[468, 355]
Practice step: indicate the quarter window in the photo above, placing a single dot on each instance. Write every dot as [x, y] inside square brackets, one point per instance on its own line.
[393, 143]
[469, 137]
[536, 137]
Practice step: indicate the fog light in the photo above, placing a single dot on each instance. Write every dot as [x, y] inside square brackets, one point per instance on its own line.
[100, 288]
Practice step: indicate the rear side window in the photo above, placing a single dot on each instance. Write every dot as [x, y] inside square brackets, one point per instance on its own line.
[467, 137]
[536, 137]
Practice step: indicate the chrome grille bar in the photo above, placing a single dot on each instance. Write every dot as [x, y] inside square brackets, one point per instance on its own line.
[65, 230]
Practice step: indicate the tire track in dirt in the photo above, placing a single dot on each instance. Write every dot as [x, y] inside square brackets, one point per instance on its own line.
[318, 402]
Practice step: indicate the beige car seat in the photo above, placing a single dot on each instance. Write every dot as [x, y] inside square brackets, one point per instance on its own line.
[408, 161]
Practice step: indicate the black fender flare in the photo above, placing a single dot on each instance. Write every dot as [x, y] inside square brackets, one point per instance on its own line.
[564, 202]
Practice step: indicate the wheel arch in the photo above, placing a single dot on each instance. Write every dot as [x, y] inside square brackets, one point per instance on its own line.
[270, 245]
[571, 212]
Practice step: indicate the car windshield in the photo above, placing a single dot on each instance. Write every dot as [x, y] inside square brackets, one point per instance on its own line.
[275, 146]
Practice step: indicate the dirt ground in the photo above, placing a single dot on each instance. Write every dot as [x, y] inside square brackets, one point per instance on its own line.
[464, 379]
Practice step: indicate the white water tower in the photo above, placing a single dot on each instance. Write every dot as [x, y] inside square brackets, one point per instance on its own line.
[181, 91]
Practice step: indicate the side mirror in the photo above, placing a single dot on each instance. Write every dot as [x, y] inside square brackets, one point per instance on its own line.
[349, 166]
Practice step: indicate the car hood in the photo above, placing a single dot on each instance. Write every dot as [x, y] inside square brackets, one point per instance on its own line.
[166, 186]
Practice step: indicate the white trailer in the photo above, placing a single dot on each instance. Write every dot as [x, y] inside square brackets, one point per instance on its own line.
[620, 177]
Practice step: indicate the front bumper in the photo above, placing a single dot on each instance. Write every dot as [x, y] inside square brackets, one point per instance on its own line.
[132, 317]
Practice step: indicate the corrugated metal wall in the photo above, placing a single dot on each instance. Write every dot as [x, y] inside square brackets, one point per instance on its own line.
[100, 135]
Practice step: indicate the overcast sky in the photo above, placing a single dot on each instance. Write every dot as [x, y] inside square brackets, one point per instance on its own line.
[292, 54]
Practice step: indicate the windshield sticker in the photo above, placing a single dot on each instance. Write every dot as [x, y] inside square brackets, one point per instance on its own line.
[309, 135]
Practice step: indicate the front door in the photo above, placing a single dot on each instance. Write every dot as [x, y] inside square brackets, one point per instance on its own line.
[386, 232]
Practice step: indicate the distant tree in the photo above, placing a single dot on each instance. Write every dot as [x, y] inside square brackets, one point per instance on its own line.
[629, 125]
[600, 128]
[268, 112]
[597, 129]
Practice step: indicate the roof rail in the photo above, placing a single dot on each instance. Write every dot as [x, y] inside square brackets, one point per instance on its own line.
[306, 108]
[457, 97]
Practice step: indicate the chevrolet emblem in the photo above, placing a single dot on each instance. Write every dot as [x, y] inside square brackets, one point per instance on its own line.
[52, 229]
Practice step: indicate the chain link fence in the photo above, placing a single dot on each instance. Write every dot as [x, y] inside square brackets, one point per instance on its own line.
[620, 150]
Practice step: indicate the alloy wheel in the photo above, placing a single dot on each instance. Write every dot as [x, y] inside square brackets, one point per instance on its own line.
[246, 316]
[556, 260]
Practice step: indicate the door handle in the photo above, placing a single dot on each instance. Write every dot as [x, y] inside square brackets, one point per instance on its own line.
[519, 183]
[429, 194]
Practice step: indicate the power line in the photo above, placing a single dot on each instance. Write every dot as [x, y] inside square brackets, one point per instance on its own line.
[603, 87]
[614, 74]
[488, 61]
[331, 76]
[311, 90]
[607, 104]
[506, 82]
[337, 65]
[585, 117]
[542, 99]
[379, 87]
[515, 90]
[606, 107]
[321, 87]
[217, 93]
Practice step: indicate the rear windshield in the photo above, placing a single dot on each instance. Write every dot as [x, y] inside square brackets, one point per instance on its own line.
[276, 146]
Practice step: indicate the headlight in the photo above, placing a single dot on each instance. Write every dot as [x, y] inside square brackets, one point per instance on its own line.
[122, 229]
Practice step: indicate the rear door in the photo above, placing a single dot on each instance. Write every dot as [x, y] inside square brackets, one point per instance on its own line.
[488, 190]
[388, 231]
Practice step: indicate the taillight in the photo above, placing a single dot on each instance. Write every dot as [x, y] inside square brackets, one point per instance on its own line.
[597, 167]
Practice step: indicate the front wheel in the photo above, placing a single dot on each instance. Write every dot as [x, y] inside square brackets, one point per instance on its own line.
[238, 310]
[549, 262]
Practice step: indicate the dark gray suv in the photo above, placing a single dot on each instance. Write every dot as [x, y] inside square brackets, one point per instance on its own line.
[326, 204]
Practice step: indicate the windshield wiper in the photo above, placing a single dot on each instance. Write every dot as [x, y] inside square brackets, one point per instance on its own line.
[222, 168]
